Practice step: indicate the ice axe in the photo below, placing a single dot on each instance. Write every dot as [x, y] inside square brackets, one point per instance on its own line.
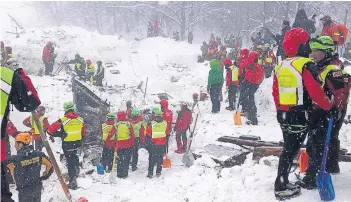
[323, 179]
[52, 158]
[237, 115]
[188, 158]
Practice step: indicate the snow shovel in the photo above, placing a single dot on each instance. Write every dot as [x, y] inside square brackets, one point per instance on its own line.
[237, 115]
[166, 161]
[147, 79]
[52, 158]
[113, 174]
[188, 158]
[323, 179]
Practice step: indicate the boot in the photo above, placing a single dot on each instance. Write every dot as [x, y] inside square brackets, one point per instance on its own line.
[333, 159]
[308, 182]
[73, 184]
[230, 108]
[180, 149]
[185, 146]
[149, 175]
[158, 175]
[287, 191]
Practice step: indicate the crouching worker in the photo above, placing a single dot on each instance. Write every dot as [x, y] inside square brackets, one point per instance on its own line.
[109, 136]
[25, 169]
[156, 137]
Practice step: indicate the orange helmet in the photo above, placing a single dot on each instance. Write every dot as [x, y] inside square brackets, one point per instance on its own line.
[25, 138]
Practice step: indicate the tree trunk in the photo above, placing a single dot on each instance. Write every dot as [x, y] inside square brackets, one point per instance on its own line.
[183, 21]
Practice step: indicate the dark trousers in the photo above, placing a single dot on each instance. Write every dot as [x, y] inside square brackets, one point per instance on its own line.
[5, 189]
[107, 158]
[268, 71]
[294, 128]
[215, 93]
[248, 96]
[181, 137]
[32, 194]
[38, 145]
[318, 126]
[72, 161]
[155, 158]
[135, 152]
[48, 67]
[123, 160]
[232, 90]
[8, 148]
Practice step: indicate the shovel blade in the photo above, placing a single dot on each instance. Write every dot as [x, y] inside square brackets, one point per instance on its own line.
[325, 186]
[188, 159]
[166, 163]
[237, 118]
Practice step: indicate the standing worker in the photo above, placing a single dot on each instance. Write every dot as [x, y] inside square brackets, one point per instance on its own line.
[214, 85]
[100, 73]
[167, 115]
[79, 65]
[292, 97]
[71, 129]
[136, 121]
[49, 57]
[155, 140]
[182, 125]
[25, 169]
[29, 122]
[90, 71]
[125, 141]
[17, 89]
[109, 136]
[232, 82]
[336, 86]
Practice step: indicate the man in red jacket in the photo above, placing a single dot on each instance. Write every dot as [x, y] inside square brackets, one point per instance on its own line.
[181, 126]
[168, 117]
[125, 142]
[155, 140]
[29, 122]
[295, 86]
[71, 129]
[17, 89]
[49, 57]
[243, 56]
[253, 77]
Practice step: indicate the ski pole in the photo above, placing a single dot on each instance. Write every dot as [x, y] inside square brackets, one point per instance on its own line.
[52, 158]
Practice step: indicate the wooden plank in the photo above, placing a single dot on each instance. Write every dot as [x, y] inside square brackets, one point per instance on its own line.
[250, 143]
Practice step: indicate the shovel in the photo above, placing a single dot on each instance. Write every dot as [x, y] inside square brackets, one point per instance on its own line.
[188, 158]
[237, 115]
[323, 179]
[166, 161]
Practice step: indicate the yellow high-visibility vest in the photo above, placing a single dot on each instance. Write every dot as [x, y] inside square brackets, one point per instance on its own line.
[123, 130]
[6, 76]
[159, 129]
[289, 76]
[34, 125]
[106, 129]
[73, 128]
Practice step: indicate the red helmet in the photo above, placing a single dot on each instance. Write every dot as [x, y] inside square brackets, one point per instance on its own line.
[244, 53]
[228, 62]
[82, 199]
[164, 103]
[195, 95]
[89, 62]
[293, 39]
[121, 116]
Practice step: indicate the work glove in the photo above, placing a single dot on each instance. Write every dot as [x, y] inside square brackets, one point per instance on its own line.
[52, 139]
[334, 112]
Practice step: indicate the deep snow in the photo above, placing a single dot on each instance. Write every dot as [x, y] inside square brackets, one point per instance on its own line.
[154, 58]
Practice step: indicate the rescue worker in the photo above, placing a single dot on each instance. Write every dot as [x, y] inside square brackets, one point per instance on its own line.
[100, 74]
[125, 141]
[182, 125]
[232, 82]
[266, 60]
[336, 85]
[214, 85]
[109, 137]
[90, 71]
[253, 77]
[17, 89]
[167, 115]
[330, 28]
[129, 108]
[25, 169]
[136, 121]
[155, 140]
[292, 98]
[243, 58]
[48, 57]
[79, 65]
[71, 129]
[29, 122]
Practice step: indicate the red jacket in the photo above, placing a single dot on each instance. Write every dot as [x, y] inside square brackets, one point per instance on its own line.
[53, 128]
[331, 30]
[229, 80]
[184, 119]
[158, 141]
[108, 142]
[167, 115]
[27, 123]
[11, 129]
[253, 71]
[122, 144]
[313, 88]
[47, 57]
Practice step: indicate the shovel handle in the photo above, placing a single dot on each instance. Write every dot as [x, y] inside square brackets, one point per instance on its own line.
[52, 158]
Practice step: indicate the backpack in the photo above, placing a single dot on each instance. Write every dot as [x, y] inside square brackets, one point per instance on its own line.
[343, 32]
[341, 91]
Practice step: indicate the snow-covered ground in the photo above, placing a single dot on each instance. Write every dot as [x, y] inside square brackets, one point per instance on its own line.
[159, 59]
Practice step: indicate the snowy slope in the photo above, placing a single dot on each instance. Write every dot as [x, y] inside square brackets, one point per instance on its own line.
[154, 58]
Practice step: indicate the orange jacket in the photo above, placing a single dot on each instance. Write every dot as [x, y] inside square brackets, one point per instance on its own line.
[332, 31]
